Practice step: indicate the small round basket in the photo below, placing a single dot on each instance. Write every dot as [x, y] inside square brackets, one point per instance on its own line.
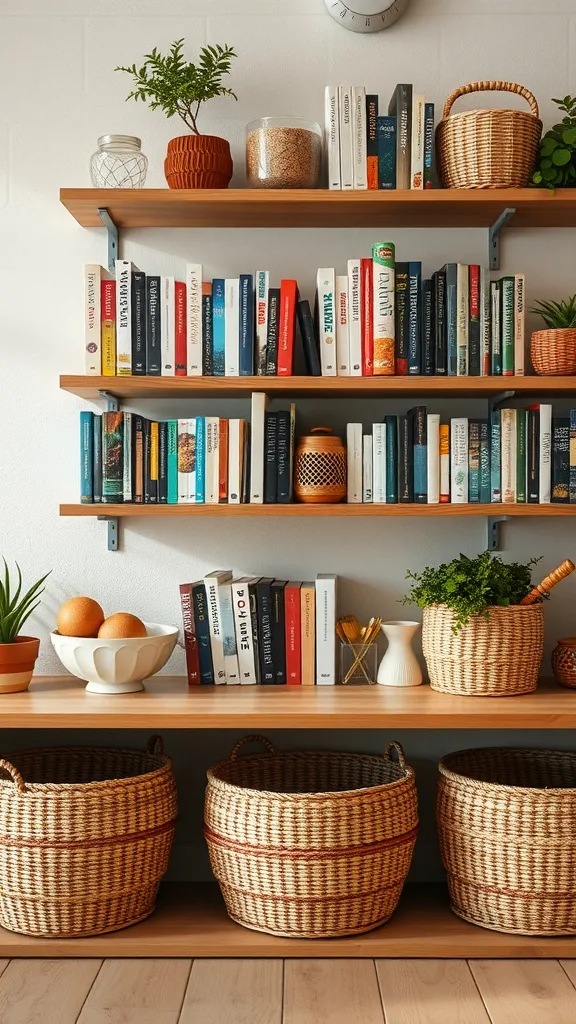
[553, 352]
[312, 844]
[507, 829]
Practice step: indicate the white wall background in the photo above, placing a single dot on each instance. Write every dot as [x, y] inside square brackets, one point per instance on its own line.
[58, 94]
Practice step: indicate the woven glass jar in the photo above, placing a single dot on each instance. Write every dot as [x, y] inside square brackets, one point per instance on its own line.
[320, 467]
[118, 162]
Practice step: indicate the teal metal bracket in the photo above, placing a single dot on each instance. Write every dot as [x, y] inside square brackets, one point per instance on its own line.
[113, 523]
[494, 236]
[493, 539]
[113, 242]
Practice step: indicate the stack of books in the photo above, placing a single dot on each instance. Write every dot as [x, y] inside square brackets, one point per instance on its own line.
[251, 630]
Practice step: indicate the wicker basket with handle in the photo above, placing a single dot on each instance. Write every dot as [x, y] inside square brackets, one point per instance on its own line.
[311, 844]
[488, 148]
[85, 837]
[507, 829]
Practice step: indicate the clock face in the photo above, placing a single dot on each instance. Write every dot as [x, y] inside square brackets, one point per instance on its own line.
[366, 15]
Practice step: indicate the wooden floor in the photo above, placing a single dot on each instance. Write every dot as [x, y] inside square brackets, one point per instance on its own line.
[182, 991]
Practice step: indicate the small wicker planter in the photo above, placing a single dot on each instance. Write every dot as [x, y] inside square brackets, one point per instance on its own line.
[495, 657]
[553, 352]
[85, 837]
[313, 844]
[507, 830]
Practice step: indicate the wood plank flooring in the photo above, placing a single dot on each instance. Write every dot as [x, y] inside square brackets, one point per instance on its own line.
[180, 991]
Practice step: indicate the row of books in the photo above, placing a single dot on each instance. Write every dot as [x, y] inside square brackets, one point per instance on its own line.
[369, 150]
[251, 630]
[518, 455]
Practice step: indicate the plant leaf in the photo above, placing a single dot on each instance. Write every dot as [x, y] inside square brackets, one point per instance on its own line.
[561, 157]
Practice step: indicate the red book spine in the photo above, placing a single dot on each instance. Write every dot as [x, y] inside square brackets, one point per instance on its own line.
[180, 331]
[223, 463]
[292, 617]
[288, 294]
[367, 317]
[190, 639]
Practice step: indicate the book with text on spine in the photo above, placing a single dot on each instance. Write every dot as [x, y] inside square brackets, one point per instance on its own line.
[194, 319]
[153, 326]
[417, 142]
[286, 327]
[354, 459]
[244, 630]
[212, 583]
[346, 137]
[187, 461]
[433, 458]
[326, 299]
[459, 460]
[257, 442]
[228, 634]
[308, 633]
[293, 634]
[508, 430]
[379, 463]
[262, 288]
[325, 629]
[108, 326]
[372, 141]
[367, 315]
[168, 327]
[124, 271]
[112, 457]
[190, 638]
[383, 328]
[246, 360]
[232, 327]
[359, 153]
[342, 334]
[180, 342]
[354, 318]
[203, 633]
[86, 457]
[139, 319]
[332, 135]
[400, 107]
[94, 275]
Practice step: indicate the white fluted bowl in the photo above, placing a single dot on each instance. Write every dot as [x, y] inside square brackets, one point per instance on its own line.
[116, 666]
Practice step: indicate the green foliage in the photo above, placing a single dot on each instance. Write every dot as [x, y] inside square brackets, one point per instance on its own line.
[15, 608]
[557, 314]
[556, 164]
[470, 585]
[179, 87]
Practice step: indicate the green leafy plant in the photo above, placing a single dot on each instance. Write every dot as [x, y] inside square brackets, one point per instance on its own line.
[16, 607]
[557, 315]
[556, 165]
[179, 87]
[470, 585]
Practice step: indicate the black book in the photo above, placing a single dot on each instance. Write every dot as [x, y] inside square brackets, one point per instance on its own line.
[245, 495]
[419, 428]
[146, 459]
[138, 323]
[309, 339]
[284, 459]
[207, 337]
[533, 457]
[428, 325]
[265, 619]
[153, 339]
[162, 462]
[272, 330]
[278, 631]
[253, 599]
[203, 634]
[270, 458]
[405, 460]
[97, 458]
[401, 322]
[440, 348]
[400, 107]
[560, 459]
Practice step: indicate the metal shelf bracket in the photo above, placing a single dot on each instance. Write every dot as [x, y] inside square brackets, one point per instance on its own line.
[494, 236]
[112, 232]
[493, 524]
[113, 522]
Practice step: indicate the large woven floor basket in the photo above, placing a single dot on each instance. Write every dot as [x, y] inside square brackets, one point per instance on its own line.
[311, 844]
[498, 656]
[85, 837]
[507, 829]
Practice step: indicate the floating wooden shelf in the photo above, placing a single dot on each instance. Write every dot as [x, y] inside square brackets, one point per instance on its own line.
[302, 208]
[61, 702]
[315, 511]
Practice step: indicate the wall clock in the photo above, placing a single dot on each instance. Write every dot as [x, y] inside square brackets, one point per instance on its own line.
[366, 15]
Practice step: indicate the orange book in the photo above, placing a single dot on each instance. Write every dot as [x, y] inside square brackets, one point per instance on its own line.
[223, 457]
[308, 633]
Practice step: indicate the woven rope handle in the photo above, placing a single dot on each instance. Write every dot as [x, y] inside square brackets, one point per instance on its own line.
[155, 745]
[252, 739]
[519, 90]
[14, 775]
[551, 580]
[394, 745]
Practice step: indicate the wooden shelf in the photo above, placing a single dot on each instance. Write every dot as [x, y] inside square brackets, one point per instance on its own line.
[315, 511]
[61, 702]
[340, 387]
[255, 208]
[191, 921]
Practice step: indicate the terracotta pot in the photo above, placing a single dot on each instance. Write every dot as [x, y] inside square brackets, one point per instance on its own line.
[17, 662]
[198, 161]
[553, 352]
[320, 468]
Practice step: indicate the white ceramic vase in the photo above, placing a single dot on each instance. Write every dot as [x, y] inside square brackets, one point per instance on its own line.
[399, 666]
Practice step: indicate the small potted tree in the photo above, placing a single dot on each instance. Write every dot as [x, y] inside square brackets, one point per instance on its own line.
[553, 351]
[180, 87]
[18, 653]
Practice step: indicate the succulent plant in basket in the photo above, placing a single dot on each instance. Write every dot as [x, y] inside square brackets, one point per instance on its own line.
[18, 653]
[553, 351]
[556, 163]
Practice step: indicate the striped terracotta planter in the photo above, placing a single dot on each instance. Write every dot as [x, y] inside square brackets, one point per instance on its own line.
[17, 662]
[198, 161]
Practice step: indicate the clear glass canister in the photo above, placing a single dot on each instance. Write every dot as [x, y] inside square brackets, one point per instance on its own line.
[118, 162]
[283, 152]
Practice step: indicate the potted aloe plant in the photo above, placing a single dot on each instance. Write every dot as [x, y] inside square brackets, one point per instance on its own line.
[179, 87]
[18, 653]
[553, 351]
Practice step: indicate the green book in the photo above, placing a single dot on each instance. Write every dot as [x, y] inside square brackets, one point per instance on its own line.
[507, 325]
[172, 462]
[521, 453]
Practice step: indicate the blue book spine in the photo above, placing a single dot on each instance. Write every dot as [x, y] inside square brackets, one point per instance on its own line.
[414, 318]
[218, 344]
[246, 325]
[200, 460]
[86, 458]
[429, 169]
[485, 495]
[386, 134]
[391, 459]
[451, 318]
[172, 462]
[495, 457]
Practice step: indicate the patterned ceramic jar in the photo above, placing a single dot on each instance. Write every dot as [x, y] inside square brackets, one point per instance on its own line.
[564, 662]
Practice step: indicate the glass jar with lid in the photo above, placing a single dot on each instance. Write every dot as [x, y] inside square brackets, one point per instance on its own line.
[283, 152]
[118, 162]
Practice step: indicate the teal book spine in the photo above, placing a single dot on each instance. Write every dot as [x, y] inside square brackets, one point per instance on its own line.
[521, 453]
[485, 495]
[474, 461]
[172, 462]
[200, 459]
[87, 458]
[507, 325]
[391, 459]
[218, 328]
[386, 133]
[495, 456]
[451, 318]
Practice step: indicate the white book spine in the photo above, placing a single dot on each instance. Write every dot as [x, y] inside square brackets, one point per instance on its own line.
[325, 630]
[259, 404]
[459, 461]
[187, 457]
[346, 146]
[261, 291]
[545, 468]
[234, 462]
[354, 318]
[123, 318]
[379, 463]
[462, 307]
[433, 457]
[359, 169]
[211, 583]
[342, 335]
[332, 135]
[244, 640]
[168, 327]
[519, 312]
[232, 326]
[92, 320]
[485, 325]
[417, 156]
[212, 482]
[194, 319]
[367, 473]
[229, 635]
[326, 285]
[508, 455]
[354, 456]
[127, 462]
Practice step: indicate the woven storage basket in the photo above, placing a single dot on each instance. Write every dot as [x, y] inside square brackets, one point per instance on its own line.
[553, 352]
[488, 148]
[507, 829]
[314, 844]
[85, 837]
[495, 657]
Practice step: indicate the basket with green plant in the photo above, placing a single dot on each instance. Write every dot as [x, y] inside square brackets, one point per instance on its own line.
[553, 350]
[556, 162]
[17, 653]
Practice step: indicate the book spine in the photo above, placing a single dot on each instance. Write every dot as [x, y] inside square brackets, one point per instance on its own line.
[355, 317]
[379, 463]
[533, 456]
[401, 331]
[127, 468]
[153, 464]
[212, 475]
[496, 456]
[92, 319]
[189, 631]
[485, 491]
[433, 458]
[462, 313]
[203, 634]
[354, 459]
[218, 329]
[272, 332]
[187, 461]
[97, 467]
[262, 287]
[292, 636]
[153, 344]
[200, 470]
[367, 314]
[521, 454]
[179, 329]
[495, 329]
[108, 314]
[308, 633]
[342, 334]
[391, 423]
[507, 325]
[508, 457]
[346, 137]
[332, 135]
[246, 325]
[372, 142]
[403, 111]
[232, 327]
[139, 460]
[123, 318]
[271, 458]
[278, 632]
[283, 459]
[138, 323]
[288, 296]
[194, 319]
[264, 594]
[112, 457]
[414, 318]
[172, 445]
[428, 333]
[367, 472]
[405, 460]
[444, 445]
[519, 310]
[383, 328]
[229, 635]
[459, 461]
[417, 144]
[87, 458]
[572, 455]
[243, 628]
[429, 168]
[168, 327]
[326, 293]
[420, 454]
[162, 462]
[146, 459]
[359, 172]
[560, 460]
[215, 626]
[485, 325]
[308, 337]
[326, 630]
[440, 352]
[207, 338]
[257, 448]
[223, 461]
[451, 318]
[474, 341]
[387, 152]
[234, 462]
[474, 461]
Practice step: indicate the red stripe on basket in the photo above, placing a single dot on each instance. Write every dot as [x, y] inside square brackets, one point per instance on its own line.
[315, 854]
[86, 844]
[513, 893]
[346, 898]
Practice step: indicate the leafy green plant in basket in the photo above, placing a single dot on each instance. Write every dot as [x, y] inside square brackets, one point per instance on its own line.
[557, 315]
[556, 163]
[17, 653]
